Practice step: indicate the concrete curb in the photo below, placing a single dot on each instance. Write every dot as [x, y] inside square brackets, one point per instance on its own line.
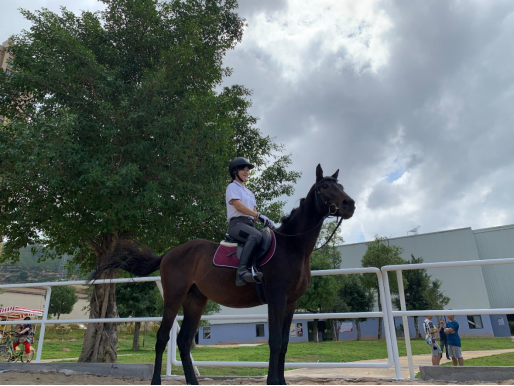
[467, 373]
[141, 371]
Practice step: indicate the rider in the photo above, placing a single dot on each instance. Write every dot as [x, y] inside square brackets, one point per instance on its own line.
[25, 330]
[241, 214]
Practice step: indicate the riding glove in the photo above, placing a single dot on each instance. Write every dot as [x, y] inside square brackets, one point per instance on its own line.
[266, 221]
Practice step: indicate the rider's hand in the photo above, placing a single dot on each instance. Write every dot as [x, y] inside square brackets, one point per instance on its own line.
[266, 221]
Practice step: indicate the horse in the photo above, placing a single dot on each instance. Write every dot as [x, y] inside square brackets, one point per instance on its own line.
[189, 277]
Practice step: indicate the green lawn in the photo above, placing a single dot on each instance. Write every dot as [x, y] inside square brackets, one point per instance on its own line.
[343, 351]
[506, 359]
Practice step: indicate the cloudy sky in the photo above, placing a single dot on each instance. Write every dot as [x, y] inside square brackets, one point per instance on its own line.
[409, 99]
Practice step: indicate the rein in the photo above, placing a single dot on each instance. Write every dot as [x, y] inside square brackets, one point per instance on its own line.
[329, 213]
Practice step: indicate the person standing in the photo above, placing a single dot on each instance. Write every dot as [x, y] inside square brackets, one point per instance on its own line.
[443, 339]
[454, 347]
[430, 338]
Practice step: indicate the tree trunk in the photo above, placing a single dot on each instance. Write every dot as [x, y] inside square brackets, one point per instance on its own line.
[315, 331]
[416, 327]
[358, 328]
[335, 333]
[135, 342]
[101, 339]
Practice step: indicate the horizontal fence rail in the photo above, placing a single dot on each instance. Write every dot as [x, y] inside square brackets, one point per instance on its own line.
[172, 347]
[385, 300]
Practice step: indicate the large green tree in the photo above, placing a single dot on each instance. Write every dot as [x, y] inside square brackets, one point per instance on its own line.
[138, 300]
[421, 292]
[118, 128]
[353, 296]
[379, 254]
[322, 292]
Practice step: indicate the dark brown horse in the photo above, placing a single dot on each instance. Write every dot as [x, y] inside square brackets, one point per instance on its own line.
[189, 277]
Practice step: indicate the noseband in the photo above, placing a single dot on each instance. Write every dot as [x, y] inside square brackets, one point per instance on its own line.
[332, 208]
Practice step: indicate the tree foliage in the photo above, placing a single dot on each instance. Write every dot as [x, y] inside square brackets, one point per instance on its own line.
[118, 128]
[353, 296]
[62, 300]
[379, 254]
[421, 293]
[322, 292]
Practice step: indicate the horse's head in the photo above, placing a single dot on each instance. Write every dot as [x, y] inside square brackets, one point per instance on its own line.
[331, 197]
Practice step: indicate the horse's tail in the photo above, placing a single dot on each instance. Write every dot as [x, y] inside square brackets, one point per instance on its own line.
[136, 259]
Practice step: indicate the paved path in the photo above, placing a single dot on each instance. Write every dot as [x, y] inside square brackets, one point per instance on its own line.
[418, 360]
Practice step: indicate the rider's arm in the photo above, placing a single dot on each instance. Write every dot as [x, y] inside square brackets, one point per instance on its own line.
[243, 208]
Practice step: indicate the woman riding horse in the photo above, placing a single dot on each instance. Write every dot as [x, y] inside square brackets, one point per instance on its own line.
[189, 278]
[239, 200]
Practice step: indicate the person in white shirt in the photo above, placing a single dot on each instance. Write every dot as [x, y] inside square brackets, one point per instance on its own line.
[241, 214]
[430, 339]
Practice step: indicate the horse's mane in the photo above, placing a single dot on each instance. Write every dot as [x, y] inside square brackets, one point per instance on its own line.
[285, 219]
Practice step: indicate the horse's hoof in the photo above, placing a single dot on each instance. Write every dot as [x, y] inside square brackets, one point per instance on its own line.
[155, 381]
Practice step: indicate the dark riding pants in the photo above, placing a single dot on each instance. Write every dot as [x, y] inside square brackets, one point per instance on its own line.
[240, 228]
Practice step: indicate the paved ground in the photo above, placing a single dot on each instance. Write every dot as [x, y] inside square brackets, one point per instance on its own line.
[418, 360]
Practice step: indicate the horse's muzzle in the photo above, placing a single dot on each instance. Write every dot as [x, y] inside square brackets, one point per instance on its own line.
[347, 208]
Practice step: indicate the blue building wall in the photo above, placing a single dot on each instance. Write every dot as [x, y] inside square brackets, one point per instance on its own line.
[498, 328]
[246, 333]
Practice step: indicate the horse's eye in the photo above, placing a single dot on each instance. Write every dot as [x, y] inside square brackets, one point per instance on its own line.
[325, 186]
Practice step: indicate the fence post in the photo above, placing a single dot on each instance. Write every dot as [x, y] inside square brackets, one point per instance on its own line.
[43, 325]
[389, 312]
[405, 320]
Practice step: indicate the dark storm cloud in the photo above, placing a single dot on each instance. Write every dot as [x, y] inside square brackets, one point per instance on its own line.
[414, 107]
[440, 105]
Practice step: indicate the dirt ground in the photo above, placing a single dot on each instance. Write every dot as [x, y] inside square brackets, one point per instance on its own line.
[57, 378]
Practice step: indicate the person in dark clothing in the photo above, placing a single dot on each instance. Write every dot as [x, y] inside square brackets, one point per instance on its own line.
[443, 338]
[25, 331]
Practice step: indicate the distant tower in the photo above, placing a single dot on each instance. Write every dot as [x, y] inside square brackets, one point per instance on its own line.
[414, 231]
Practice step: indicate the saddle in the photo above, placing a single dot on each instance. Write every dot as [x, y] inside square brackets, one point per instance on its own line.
[263, 247]
[229, 252]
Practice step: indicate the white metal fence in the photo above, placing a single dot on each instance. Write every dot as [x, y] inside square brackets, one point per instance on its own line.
[385, 299]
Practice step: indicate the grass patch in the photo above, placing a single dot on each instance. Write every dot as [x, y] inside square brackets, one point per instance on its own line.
[343, 351]
[506, 359]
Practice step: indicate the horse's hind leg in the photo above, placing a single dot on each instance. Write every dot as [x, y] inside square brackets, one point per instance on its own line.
[163, 336]
[193, 308]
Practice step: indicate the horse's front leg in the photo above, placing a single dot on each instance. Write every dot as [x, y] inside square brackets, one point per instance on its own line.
[276, 313]
[288, 317]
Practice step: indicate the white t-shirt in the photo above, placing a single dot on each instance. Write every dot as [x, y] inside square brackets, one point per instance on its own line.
[428, 326]
[237, 191]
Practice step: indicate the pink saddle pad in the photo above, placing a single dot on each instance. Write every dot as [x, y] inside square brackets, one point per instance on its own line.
[222, 258]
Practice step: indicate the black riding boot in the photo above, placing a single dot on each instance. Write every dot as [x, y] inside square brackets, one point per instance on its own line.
[244, 276]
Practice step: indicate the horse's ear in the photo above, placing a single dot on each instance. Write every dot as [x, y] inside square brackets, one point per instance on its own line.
[334, 176]
[319, 173]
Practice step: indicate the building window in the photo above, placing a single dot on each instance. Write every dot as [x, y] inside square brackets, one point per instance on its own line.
[475, 321]
[259, 330]
[207, 333]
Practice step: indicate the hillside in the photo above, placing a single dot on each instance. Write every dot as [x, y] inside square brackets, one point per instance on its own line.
[29, 270]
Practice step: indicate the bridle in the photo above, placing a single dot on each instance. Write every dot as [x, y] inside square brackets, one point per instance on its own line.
[331, 211]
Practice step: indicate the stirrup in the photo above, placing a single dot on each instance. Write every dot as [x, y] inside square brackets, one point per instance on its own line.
[244, 278]
[256, 275]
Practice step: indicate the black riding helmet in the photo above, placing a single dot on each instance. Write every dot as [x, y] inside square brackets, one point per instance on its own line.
[237, 162]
